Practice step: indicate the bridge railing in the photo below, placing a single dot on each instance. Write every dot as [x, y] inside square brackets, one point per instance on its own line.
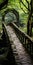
[5, 35]
[24, 38]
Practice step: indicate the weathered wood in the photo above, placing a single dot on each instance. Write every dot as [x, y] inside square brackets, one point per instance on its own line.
[10, 58]
[28, 40]
[21, 56]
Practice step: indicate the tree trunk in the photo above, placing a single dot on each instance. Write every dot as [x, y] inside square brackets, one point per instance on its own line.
[29, 27]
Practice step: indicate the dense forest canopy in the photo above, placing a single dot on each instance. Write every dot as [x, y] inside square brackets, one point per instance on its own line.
[20, 5]
[17, 4]
[10, 17]
[23, 7]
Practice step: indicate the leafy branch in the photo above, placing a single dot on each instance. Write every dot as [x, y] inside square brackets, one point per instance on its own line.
[25, 5]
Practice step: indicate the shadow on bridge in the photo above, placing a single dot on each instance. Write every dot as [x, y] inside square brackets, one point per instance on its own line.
[15, 44]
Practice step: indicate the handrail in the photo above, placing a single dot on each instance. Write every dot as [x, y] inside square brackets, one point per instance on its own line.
[22, 32]
[5, 32]
[26, 40]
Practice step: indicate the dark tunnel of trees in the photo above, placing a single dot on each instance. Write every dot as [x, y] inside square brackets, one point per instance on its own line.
[26, 7]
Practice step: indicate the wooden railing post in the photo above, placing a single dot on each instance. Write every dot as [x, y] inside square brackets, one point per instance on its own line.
[24, 39]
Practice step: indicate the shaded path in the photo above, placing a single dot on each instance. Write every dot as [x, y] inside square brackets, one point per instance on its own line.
[22, 57]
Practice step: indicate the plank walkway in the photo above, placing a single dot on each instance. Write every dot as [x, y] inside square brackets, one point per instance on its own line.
[19, 52]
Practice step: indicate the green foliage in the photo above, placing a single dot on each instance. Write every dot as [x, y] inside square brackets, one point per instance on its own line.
[16, 5]
[0, 26]
[10, 17]
[1, 1]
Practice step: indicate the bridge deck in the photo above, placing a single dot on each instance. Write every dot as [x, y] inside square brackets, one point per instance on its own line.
[21, 56]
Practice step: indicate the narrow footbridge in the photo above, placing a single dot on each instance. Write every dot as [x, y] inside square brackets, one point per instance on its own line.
[16, 46]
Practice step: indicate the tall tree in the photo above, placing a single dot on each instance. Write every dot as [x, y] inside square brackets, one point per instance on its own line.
[29, 26]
